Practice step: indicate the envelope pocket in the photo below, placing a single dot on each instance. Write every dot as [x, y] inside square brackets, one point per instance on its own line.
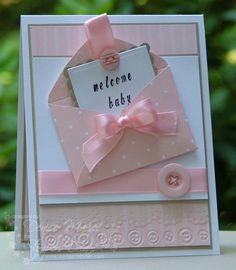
[136, 149]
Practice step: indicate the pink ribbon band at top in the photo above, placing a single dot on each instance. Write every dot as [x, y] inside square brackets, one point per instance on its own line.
[142, 117]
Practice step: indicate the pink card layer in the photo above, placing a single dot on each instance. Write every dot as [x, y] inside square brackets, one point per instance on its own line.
[133, 225]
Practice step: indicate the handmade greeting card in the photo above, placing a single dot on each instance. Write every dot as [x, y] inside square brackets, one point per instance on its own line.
[114, 139]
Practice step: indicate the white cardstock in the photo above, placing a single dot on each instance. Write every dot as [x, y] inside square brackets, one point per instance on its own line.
[42, 60]
[105, 91]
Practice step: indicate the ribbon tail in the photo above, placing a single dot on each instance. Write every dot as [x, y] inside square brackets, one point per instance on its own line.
[96, 149]
[167, 123]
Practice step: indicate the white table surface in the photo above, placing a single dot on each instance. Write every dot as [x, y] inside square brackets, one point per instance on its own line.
[11, 259]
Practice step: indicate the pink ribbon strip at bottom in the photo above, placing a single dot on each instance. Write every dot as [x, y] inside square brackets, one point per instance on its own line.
[138, 181]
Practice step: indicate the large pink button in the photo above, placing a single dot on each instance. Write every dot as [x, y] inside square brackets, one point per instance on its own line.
[174, 180]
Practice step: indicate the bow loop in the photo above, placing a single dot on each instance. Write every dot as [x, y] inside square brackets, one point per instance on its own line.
[143, 114]
[106, 125]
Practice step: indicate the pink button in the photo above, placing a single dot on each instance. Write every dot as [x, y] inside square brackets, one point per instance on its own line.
[109, 59]
[174, 180]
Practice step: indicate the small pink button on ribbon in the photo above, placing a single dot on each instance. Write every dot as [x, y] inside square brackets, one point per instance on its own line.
[102, 43]
[142, 117]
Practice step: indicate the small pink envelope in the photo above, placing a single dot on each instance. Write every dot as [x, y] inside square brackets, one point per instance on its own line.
[136, 149]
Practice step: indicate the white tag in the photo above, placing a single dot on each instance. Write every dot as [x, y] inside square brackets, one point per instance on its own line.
[111, 91]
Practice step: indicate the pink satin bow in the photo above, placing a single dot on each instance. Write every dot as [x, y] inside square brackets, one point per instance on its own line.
[141, 116]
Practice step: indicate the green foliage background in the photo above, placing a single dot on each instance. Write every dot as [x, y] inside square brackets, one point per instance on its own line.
[220, 23]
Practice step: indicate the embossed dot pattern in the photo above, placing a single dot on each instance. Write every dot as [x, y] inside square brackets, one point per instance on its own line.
[51, 240]
[203, 235]
[135, 237]
[185, 235]
[102, 238]
[168, 236]
[172, 224]
[153, 236]
[83, 240]
[117, 238]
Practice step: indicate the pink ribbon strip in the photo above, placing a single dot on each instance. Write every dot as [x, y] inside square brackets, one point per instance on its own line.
[99, 35]
[141, 117]
[138, 181]
[101, 41]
